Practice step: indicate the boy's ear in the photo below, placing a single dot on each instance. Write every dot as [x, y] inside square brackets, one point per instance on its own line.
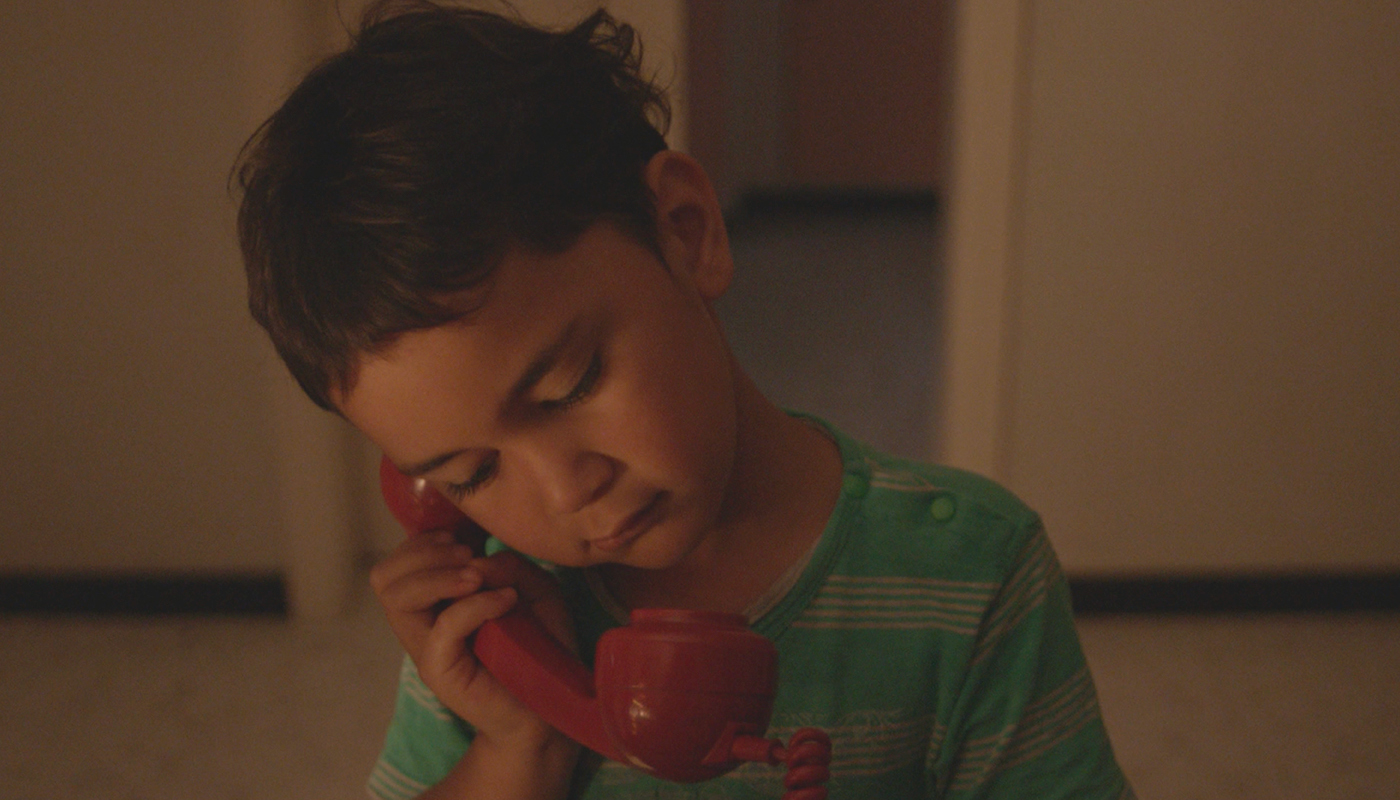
[689, 222]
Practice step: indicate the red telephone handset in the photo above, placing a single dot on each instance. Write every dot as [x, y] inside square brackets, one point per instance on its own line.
[684, 695]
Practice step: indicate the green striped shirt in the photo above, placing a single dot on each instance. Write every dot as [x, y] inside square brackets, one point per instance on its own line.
[928, 633]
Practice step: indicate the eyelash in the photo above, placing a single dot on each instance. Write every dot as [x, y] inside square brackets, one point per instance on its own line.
[581, 391]
[484, 473]
[585, 386]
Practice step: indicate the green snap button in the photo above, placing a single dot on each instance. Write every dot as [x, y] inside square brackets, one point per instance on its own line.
[942, 508]
[855, 485]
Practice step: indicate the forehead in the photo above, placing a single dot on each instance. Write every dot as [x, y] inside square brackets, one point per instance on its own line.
[444, 382]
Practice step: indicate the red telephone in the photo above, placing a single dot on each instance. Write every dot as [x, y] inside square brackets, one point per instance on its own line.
[684, 695]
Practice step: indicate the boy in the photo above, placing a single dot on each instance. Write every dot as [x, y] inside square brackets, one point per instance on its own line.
[468, 238]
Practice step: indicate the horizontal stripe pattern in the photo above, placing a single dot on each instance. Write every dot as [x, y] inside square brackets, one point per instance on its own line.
[412, 685]
[896, 603]
[872, 744]
[387, 783]
[898, 480]
[1036, 571]
[1046, 723]
[862, 745]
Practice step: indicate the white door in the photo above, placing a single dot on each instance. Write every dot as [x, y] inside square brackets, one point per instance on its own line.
[1175, 244]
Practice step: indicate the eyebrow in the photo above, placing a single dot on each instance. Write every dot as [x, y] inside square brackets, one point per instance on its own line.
[423, 468]
[538, 367]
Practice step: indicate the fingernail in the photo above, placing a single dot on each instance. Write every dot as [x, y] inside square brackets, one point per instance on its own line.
[470, 577]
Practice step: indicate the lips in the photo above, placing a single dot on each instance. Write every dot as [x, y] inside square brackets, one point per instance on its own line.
[633, 527]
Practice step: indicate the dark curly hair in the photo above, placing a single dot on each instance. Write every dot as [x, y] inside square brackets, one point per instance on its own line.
[379, 198]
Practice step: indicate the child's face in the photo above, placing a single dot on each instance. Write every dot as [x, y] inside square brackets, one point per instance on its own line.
[584, 415]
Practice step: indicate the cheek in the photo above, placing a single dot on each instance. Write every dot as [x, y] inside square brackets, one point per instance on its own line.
[683, 409]
[511, 515]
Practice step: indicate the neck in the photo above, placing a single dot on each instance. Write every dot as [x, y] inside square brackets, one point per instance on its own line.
[786, 478]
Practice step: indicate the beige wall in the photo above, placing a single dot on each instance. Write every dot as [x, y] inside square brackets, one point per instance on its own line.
[1202, 268]
[135, 433]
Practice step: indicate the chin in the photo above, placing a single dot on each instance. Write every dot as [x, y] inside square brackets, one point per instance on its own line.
[665, 555]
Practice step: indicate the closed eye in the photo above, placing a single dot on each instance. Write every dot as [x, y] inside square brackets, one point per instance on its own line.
[484, 473]
[585, 386]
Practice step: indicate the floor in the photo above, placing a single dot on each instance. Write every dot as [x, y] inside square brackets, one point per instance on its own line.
[1265, 706]
[1268, 707]
[218, 709]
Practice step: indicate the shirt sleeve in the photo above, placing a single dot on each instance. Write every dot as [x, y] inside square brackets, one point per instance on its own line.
[424, 742]
[1027, 722]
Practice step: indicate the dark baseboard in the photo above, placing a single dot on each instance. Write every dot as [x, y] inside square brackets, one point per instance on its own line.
[143, 595]
[1230, 594]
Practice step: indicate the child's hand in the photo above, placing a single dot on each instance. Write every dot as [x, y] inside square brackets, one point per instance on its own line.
[435, 593]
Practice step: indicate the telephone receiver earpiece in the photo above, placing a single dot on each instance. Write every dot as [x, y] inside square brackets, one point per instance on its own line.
[683, 695]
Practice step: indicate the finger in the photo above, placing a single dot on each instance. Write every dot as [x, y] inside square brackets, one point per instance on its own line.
[422, 591]
[419, 577]
[436, 544]
[462, 618]
[416, 554]
[445, 650]
[539, 591]
[511, 569]
[411, 606]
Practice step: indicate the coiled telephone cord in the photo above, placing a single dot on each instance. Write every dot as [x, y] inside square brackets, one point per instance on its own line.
[807, 757]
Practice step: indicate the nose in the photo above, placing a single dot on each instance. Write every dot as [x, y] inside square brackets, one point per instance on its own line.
[571, 479]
